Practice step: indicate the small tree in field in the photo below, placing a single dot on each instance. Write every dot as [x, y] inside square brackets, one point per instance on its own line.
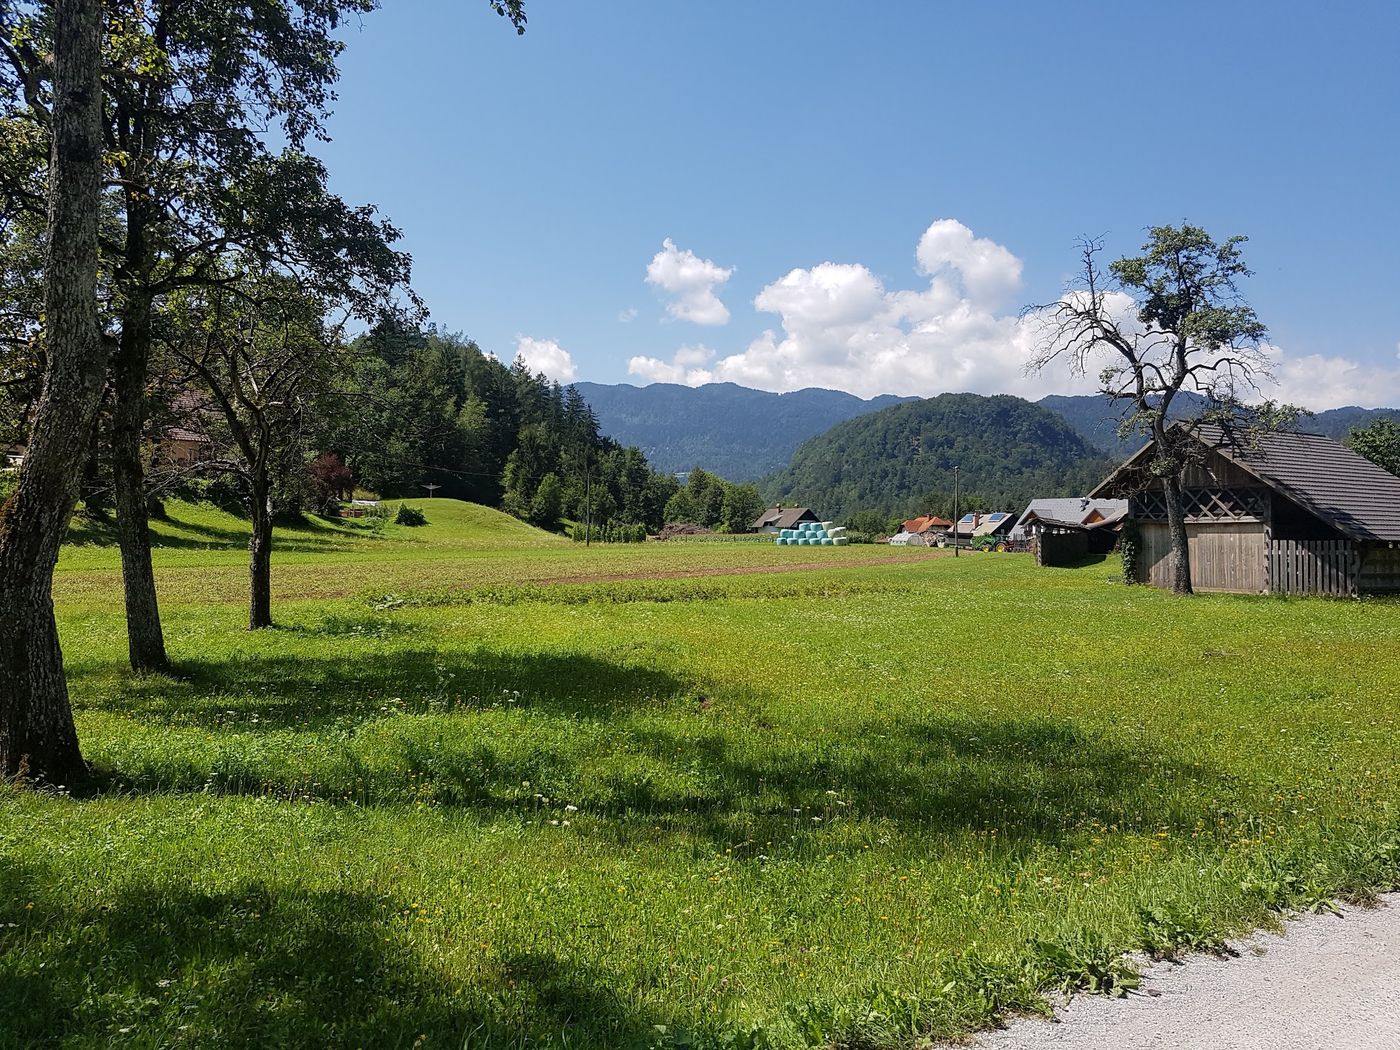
[1153, 327]
[262, 350]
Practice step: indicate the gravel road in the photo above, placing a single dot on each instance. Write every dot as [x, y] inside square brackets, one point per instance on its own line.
[1327, 983]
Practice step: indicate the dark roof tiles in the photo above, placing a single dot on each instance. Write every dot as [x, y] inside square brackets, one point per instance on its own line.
[1323, 476]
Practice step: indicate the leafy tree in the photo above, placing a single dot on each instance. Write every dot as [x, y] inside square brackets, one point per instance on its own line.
[548, 503]
[331, 480]
[1379, 442]
[740, 507]
[1153, 327]
[873, 523]
[261, 348]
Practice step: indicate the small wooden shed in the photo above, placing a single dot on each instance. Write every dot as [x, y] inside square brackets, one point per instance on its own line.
[1286, 513]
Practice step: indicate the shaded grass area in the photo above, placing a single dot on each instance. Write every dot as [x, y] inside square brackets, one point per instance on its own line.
[858, 808]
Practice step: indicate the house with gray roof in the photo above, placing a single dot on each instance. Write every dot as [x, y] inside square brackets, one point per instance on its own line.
[1083, 511]
[1280, 513]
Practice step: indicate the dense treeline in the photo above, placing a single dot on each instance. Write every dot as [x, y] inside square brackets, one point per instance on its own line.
[709, 500]
[428, 408]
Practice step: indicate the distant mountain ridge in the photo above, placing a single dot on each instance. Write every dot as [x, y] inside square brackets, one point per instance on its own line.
[1096, 419]
[745, 435]
[730, 430]
[900, 459]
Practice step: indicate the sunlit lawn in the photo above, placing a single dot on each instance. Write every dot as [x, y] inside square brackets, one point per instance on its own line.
[462, 803]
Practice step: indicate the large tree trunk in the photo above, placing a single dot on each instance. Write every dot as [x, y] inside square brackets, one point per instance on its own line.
[145, 640]
[37, 735]
[1176, 532]
[260, 556]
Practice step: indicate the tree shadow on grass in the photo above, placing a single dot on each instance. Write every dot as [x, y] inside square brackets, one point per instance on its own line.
[273, 966]
[636, 746]
[1031, 779]
[174, 532]
[267, 693]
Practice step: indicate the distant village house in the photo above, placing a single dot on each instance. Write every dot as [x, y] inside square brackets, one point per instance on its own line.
[971, 527]
[775, 519]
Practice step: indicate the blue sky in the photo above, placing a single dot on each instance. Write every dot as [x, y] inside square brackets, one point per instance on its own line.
[536, 178]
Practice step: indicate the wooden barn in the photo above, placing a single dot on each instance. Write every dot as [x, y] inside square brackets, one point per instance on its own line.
[1286, 514]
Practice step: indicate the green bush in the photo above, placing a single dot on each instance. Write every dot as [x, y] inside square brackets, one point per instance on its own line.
[220, 491]
[410, 516]
[1130, 547]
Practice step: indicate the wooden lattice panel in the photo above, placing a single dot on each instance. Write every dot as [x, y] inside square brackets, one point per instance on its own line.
[1206, 504]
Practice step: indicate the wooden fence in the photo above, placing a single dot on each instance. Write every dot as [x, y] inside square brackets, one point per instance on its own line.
[1314, 567]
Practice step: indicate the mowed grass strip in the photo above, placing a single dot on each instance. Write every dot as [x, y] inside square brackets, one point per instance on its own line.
[201, 557]
[859, 807]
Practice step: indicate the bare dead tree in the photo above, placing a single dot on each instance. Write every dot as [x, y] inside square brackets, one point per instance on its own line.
[1153, 327]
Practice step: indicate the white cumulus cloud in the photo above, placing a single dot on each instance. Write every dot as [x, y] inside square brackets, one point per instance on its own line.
[1320, 381]
[958, 328]
[547, 356]
[839, 326]
[691, 282]
[687, 365]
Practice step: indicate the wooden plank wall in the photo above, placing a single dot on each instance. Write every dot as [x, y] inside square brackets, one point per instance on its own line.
[1228, 556]
[1314, 567]
[1155, 547]
[1380, 571]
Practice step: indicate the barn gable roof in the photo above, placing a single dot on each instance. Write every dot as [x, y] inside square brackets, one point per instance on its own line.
[783, 517]
[1322, 476]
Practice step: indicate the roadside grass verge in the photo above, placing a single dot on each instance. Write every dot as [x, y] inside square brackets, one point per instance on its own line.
[860, 808]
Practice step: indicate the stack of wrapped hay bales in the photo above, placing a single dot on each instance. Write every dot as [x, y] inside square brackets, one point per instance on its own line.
[814, 534]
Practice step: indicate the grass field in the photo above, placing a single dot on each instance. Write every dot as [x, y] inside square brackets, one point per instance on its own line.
[483, 787]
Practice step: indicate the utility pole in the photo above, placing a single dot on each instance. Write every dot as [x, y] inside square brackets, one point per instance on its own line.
[957, 511]
[431, 487]
[587, 502]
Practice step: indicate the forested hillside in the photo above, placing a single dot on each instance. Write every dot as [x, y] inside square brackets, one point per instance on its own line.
[424, 407]
[900, 460]
[1096, 419]
[735, 432]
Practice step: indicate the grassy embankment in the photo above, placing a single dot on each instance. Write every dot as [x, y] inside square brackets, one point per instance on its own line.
[454, 801]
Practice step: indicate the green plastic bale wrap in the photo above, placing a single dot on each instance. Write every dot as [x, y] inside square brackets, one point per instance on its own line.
[827, 541]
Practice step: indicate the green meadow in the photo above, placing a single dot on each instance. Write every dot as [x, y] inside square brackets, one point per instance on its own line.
[483, 787]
